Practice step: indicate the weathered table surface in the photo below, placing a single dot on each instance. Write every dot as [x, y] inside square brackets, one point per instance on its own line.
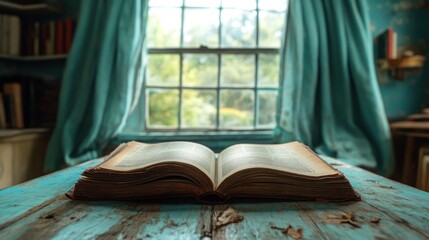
[38, 210]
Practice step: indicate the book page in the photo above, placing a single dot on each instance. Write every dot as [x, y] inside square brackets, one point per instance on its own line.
[135, 155]
[291, 157]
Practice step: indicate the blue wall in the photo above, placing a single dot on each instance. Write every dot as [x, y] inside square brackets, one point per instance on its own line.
[410, 19]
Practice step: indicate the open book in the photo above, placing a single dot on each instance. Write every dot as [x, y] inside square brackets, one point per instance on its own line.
[137, 170]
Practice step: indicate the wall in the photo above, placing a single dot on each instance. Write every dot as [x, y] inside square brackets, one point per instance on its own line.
[410, 19]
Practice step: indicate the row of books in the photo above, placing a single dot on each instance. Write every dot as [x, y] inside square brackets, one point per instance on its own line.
[28, 102]
[35, 38]
[386, 44]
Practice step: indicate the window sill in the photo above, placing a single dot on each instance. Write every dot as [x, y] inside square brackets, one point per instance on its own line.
[217, 141]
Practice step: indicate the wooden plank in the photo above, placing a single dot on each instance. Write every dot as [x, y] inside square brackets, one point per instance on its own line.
[66, 219]
[405, 204]
[24, 198]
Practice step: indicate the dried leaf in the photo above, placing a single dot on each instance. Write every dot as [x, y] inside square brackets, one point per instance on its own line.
[228, 216]
[346, 217]
[290, 231]
[374, 219]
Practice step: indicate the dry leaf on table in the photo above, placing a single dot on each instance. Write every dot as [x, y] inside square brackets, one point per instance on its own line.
[346, 217]
[290, 231]
[228, 216]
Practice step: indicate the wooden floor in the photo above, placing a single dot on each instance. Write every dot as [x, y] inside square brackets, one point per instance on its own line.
[39, 210]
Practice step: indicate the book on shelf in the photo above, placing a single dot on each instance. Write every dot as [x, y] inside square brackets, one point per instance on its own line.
[15, 35]
[3, 122]
[10, 34]
[5, 33]
[36, 104]
[138, 171]
[386, 45]
[26, 37]
[14, 92]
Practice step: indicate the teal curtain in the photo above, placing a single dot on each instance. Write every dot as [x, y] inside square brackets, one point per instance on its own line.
[329, 97]
[101, 80]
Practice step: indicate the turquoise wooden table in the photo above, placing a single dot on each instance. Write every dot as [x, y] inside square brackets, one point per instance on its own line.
[38, 210]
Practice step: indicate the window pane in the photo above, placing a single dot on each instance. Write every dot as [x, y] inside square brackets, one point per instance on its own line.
[163, 108]
[267, 108]
[200, 70]
[199, 109]
[238, 70]
[239, 4]
[165, 3]
[238, 28]
[271, 29]
[236, 109]
[164, 27]
[276, 5]
[163, 70]
[202, 3]
[269, 70]
[201, 28]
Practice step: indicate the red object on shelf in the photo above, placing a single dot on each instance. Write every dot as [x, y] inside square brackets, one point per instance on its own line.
[69, 26]
[59, 46]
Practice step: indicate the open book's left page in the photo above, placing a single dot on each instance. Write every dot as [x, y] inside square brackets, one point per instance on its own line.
[135, 155]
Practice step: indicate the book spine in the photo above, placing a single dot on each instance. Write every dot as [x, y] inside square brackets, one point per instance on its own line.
[394, 45]
[389, 43]
[6, 34]
[59, 46]
[15, 35]
[14, 90]
[68, 35]
[1, 33]
[29, 39]
[44, 39]
[36, 39]
[3, 123]
[8, 108]
[52, 37]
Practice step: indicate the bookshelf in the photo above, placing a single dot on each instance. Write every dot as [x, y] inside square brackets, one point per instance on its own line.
[34, 58]
[399, 66]
[34, 43]
[397, 61]
[41, 9]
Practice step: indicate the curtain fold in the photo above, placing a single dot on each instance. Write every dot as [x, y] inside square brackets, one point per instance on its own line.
[101, 80]
[329, 97]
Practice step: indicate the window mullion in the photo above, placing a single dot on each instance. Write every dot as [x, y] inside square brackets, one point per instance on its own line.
[180, 93]
[179, 112]
[256, 99]
[219, 66]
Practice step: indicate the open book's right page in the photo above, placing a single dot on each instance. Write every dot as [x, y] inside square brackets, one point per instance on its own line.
[293, 157]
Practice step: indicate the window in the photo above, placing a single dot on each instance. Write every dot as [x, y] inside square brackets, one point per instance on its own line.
[212, 64]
